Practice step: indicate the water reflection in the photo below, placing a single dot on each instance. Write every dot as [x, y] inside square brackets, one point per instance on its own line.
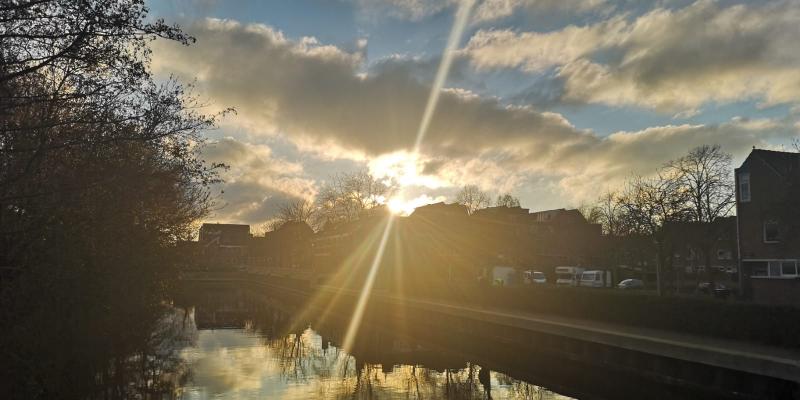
[243, 350]
[241, 363]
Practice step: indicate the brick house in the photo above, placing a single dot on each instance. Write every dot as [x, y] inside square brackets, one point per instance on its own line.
[223, 245]
[768, 226]
[289, 246]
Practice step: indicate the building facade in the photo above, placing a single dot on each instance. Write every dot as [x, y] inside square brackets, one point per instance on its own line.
[768, 226]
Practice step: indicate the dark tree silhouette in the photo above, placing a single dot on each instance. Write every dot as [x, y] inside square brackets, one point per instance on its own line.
[99, 179]
[507, 200]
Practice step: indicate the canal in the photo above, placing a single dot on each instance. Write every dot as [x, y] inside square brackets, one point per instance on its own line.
[242, 345]
[243, 342]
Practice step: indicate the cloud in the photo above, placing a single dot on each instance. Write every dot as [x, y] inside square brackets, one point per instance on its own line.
[319, 97]
[257, 183]
[483, 11]
[489, 10]
[668, 60]
[413, 10]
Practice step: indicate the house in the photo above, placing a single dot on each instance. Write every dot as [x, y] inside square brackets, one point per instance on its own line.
[564, 237]
[703, 250]
[289, 246]
[768, 226]
[225, 235]
[223, 245]
[333, 246]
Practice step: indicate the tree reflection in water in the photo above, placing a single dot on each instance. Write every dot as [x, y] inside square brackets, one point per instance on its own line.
[299, 365]
[155, 370]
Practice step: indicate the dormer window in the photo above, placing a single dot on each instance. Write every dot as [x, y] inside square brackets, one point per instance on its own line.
[744, 187]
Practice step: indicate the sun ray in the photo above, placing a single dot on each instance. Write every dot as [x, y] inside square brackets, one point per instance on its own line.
[462, 16]
[363, 297]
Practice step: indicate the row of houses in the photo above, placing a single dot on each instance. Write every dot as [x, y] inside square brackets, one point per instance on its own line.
[433, 235]
[758, 250]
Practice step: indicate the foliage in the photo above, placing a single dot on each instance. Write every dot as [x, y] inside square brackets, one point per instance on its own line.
[99, 179]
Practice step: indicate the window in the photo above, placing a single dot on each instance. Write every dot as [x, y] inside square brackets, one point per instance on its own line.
[774, 268]
[744, 187]
[759, 268]
[788, 268]
[771, 232]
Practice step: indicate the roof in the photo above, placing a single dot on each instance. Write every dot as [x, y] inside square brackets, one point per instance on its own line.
[441, 207]
[560, 215]
[226, 227]
[501, 210]
[782, 163]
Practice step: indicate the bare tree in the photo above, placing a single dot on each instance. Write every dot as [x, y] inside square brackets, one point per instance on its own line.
[298, 210]
[473, 198]
[609, 213]
[649, 204]
[706, 174]
[507, 200]
[346, 195]
[591, 212]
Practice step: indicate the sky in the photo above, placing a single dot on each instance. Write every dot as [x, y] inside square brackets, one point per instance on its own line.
[553, 101]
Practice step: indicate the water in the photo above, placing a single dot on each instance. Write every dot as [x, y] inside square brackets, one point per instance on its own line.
[244, 348]
[240, 364]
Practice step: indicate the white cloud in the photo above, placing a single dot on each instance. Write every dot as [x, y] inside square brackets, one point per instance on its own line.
[669, 60]
[489, 10]
[316, 97]
[484, 10]
[257, 183]
[413, 10]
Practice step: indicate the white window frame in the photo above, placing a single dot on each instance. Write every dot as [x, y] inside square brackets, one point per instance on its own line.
[744, 179]
[780, 268]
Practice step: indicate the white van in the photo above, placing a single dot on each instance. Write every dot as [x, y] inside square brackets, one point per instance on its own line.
[596, 279]
[568, 276]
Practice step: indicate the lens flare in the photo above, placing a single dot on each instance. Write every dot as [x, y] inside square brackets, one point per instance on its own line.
[462, 16]
[363, 297]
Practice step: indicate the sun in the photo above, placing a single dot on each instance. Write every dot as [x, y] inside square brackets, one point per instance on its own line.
[401, 206]
[398, 206]
[405, 170]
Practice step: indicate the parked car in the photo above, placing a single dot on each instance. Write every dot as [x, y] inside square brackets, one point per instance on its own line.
[630, 284]
[717, 289]
[535, 277]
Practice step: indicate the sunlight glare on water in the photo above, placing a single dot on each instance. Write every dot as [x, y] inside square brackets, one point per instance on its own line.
[236, 364]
